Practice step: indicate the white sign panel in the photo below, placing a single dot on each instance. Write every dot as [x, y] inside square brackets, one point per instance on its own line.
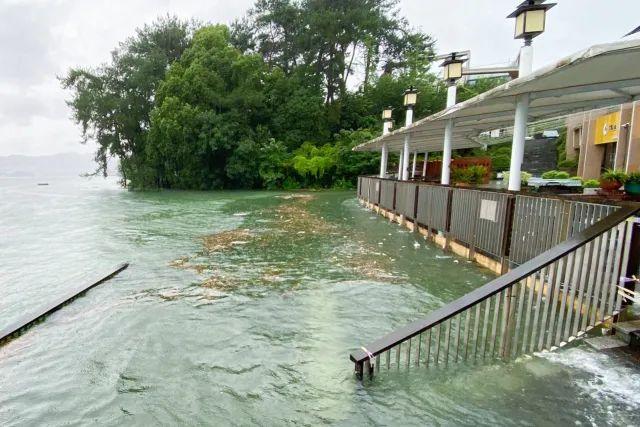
[488, 209]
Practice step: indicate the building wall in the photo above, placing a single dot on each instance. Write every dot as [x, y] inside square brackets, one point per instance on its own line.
[581, 135]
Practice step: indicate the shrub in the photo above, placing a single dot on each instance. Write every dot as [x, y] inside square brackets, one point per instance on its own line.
[524, 177]
[614, 175]
[591, 183]
[555, 175]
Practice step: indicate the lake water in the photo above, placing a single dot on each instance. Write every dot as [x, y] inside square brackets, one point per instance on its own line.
[242, 308]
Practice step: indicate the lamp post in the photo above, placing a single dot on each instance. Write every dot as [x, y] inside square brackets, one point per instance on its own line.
[410, 99]
[530, 17]
[452, 67]
[387, 121]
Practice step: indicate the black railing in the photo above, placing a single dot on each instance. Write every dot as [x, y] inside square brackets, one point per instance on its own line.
[542, 304]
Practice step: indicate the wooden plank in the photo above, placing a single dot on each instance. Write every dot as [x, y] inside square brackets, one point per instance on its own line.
[27, 321]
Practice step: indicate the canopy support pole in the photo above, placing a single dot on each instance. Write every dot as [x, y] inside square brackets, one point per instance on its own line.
[384, 157]
[424, 165]
[517, 146]
[400, 159]
[445, 177]
[406, 149]
[415, 160]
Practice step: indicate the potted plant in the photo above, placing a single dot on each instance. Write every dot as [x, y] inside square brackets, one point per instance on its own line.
[611, 180]
[632, 184]
[590, 187]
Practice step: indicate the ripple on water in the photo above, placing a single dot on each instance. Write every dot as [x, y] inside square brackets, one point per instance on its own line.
[256, 332]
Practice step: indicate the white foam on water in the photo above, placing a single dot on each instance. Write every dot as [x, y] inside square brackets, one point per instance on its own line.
[606, 377]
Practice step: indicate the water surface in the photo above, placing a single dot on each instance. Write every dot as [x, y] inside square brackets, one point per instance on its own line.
[241, 308]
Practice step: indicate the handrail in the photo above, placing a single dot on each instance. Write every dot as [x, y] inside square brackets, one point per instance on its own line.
[567, 197]
[495, 286]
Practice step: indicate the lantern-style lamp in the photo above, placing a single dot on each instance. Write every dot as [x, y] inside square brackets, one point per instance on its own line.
[410, 97]
[452, 66]
[530, 18]
[387, 114]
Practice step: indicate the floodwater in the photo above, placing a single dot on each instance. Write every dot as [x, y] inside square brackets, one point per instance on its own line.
[241, 308]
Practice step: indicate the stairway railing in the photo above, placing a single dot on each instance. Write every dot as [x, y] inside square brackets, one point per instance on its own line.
[544, 303]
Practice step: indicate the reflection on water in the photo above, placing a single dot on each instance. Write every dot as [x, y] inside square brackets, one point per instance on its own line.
[242, 308]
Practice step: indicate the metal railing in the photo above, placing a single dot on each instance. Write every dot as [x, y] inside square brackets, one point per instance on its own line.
[544, 303]
[509, 228]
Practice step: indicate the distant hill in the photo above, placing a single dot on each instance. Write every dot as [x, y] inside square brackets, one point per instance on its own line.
[64, 164]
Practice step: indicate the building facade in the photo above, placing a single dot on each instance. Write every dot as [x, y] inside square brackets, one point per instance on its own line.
[607, 138]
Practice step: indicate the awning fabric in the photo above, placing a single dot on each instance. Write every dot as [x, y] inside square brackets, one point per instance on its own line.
[599, 76]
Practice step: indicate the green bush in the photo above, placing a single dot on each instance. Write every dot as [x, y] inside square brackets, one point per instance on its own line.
[555, 175]
[591, 183]
[524, 177]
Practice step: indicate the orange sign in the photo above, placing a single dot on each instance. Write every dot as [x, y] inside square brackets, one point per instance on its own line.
[607, 128]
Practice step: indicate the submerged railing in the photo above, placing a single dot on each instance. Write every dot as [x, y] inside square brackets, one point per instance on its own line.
[554, 296]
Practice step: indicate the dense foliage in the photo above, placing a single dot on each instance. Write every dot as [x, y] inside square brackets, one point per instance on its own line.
[276, 101]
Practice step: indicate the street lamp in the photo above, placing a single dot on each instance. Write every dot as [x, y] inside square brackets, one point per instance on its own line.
[410, 100]
[387, 113]
[530, 16]
[410, 97]
[452, 66]
[530, 19]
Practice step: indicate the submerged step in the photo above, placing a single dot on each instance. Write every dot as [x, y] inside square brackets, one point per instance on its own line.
[627, 327]
[605, 342]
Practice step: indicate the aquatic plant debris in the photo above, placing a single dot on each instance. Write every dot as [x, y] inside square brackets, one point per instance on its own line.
[226, 239]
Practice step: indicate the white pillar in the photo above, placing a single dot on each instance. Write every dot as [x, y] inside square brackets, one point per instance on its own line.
[384, 156]
[400, 159]
[445, 178]
[517, 146]
[406, 149]
[415, 159]
[424, 165]
[525, 66]
[451, 94]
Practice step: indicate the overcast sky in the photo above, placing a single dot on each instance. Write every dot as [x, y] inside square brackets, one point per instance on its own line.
[40, 39]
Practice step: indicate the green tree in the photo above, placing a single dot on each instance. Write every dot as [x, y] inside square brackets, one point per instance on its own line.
[112, 103]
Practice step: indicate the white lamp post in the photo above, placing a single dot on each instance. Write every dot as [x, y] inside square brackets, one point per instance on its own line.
[387, 120]
[410, 99]
[452, 73]
[530, 18]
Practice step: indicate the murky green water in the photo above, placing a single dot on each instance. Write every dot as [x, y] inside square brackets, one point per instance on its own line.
[256, 330]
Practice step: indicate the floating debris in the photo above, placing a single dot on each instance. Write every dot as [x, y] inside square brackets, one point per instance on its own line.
[226, 239]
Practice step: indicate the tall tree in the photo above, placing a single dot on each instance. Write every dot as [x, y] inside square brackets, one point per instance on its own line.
[113, 103]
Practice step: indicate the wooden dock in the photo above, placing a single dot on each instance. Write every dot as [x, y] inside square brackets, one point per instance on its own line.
[21, 325]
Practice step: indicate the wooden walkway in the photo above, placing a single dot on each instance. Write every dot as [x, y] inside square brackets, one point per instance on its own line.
[18, 327]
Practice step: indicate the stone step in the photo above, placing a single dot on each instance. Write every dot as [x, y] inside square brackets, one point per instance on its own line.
[605, 342]
[624, 329]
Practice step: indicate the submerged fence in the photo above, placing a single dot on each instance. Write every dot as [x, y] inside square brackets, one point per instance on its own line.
[509, 228]
[542, 304]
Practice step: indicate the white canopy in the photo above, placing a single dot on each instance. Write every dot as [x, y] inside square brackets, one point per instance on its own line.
[597, 77]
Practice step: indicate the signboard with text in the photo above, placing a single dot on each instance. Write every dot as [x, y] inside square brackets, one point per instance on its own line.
[607, 128]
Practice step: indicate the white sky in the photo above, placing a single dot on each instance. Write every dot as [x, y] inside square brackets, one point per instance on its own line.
[41, 39]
